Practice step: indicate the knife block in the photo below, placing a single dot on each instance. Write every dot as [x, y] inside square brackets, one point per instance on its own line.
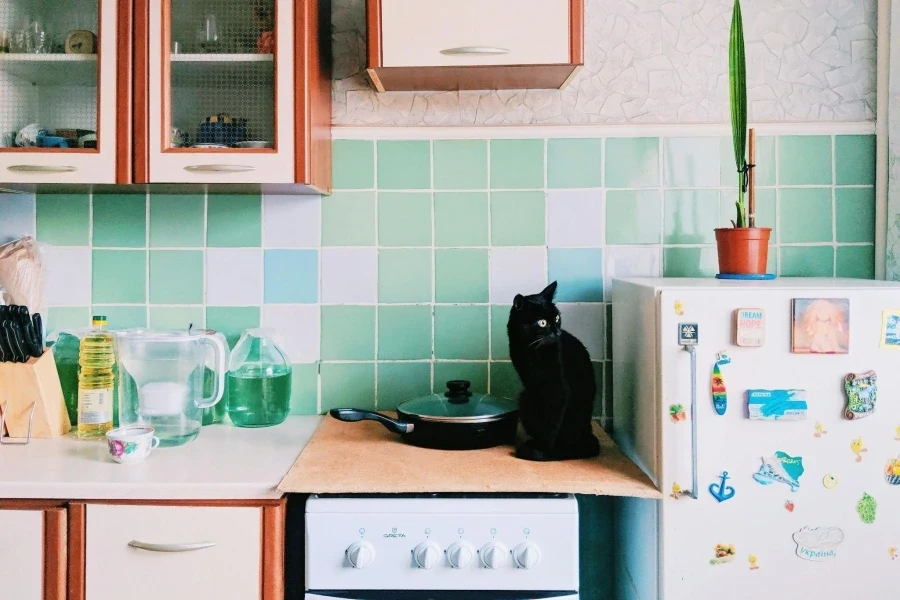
[33, 384]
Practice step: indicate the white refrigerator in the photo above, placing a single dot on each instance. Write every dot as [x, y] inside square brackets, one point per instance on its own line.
[809, 438]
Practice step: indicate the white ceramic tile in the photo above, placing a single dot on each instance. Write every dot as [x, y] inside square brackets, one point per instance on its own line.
[630, 261]
[587, 322]
[349, 275]
[68, 276]
[575, 218]
[292, 221]
[296, 328]
[517, 271]
[16, 216]
[234, 276]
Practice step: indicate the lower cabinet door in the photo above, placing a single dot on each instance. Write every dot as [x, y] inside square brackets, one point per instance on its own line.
[21, 554]
[172, 553]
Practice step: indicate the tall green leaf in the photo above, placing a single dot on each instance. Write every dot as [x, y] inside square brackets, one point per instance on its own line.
[737, 80]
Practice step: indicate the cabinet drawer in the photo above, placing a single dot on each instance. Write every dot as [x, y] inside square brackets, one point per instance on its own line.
[21, 554]
[173, 552]
[474, 32]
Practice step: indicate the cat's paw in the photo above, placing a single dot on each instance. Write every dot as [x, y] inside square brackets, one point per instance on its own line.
[530, 451]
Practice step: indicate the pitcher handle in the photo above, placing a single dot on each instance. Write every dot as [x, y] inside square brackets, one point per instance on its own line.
[221, 353]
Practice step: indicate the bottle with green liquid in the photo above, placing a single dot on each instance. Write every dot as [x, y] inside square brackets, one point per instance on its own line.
[258, 383]
[96, 381]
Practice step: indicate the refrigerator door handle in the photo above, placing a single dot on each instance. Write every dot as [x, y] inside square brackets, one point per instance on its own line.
[695, 488]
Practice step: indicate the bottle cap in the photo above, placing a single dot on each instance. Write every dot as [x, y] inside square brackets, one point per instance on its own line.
[99, 320]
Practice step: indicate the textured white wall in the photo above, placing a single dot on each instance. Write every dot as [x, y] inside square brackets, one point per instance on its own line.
[652, 61]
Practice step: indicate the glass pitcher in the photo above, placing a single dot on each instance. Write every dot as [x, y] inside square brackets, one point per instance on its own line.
[258, 388]
[162, 381]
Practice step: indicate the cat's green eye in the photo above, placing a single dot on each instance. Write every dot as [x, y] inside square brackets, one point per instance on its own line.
[542, 323]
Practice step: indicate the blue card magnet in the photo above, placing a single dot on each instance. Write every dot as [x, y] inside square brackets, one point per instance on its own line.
[777, 405]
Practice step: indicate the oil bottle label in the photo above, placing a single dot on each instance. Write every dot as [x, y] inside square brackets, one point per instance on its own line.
[95, 406]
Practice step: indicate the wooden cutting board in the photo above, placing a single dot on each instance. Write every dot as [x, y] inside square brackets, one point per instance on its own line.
[365, 458]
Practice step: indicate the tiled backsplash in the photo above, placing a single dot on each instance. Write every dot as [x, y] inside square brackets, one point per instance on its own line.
[402, 279]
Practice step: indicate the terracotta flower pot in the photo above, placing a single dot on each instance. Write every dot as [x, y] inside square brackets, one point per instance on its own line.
[743, 250]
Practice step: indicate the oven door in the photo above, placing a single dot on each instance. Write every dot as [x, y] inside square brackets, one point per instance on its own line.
[437, 595]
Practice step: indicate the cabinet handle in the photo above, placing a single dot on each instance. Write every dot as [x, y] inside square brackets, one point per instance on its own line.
[219, 168]
[483, 50]
[170, 547]
[41, 169]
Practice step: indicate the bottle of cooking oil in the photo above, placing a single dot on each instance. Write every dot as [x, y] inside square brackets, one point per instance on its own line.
[96, 380]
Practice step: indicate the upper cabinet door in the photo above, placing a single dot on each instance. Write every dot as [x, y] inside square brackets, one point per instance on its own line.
[64, 91]
[221, 91]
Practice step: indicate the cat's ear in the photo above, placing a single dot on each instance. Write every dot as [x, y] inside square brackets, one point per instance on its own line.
[518, 302]
[549, 292]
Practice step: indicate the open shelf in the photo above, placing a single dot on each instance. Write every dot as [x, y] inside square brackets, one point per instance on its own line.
[52, 69]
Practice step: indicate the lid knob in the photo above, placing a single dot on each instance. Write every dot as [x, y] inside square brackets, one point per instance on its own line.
[458, 391]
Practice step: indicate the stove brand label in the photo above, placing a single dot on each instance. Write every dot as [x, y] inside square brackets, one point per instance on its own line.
[394, 534]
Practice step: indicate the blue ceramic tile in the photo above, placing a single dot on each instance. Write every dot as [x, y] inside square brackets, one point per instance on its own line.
[291, 276]
[579, 273]
[16, 216]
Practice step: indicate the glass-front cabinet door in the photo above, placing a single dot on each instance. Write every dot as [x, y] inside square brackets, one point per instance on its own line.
[221, 99]
[59, 86]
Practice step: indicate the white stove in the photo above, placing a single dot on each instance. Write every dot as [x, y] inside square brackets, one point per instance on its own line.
[442, 546]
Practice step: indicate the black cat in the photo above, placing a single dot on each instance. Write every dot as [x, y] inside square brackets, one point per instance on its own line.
[555, 368]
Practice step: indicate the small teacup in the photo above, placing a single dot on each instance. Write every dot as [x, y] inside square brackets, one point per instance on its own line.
[131, 444]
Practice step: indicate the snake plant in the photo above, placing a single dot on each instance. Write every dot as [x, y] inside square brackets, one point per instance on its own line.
[737, 85]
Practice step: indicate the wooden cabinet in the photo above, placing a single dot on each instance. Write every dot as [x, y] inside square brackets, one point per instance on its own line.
[474, 44]
[33, 554]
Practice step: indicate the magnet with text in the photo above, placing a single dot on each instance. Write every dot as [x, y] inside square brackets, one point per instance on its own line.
[719, 490]
[717, 384]
[753, 562]
[676, 413]
[679, 308]
[861, 390]
[831, 481]
[780, 468]
[892, 471]
[749, 327]
[857, 447]
[725, 553]
[818, 544]
[776, 405]
[688, 334]
[820, 430]
[865, 508]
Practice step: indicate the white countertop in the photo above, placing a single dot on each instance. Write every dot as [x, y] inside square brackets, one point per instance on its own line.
[224, 462]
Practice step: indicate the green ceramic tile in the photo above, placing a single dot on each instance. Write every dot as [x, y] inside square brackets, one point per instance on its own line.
[233, 220]
[460, 165]
[574, 163]
[348, 219]
[119, 276]
[765, 209]
[505, 382]
[855, 214]
[854, 157]
[499, 337]
[517, 218]
[690, 262]
[404, 275]
[176, 276]
[63, 219]
[517, 164]
[691, 216]
[765, 162]
[461, 332]
[805, 215]
[304, 389]
[176, 220]
[120, 221]
[68, 317]
[691, 161]
[807, 261]
[176, 317]
[348, 333]
[804, 160]
[632, 162]
[856, 262]
[633, 216]
[404, 332]
[461, 275]
[123, 317]
[353, 164]
[399, 382]
[404, 219]
[404, 165]
[348, 386]
[460, 219]
[475, 373]
[232, 321]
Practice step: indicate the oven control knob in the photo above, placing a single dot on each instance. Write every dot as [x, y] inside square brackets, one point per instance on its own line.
[360, 554]
[493, 555]
[427, 555]
[460, 555]
[527, 555]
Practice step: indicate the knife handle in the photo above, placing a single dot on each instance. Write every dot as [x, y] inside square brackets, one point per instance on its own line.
[9, 337]
[38, 323]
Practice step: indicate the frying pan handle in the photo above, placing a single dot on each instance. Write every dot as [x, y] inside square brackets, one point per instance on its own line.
[353, 414]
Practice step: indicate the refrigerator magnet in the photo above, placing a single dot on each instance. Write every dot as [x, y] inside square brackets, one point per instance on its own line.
[890, 330]
[892, 551]
[820, 430]
[776, 405]
[753, 562]
[857, 447]
[831, 481]
[820, 326]
[865, 508]
[676, 413]
[780, 468]
[679, 308]
[789, 506]
[749, 327]
[719, 490]
[861, 390]
[725, 553]
[717, 384]
[688, 334]
[818, 544]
